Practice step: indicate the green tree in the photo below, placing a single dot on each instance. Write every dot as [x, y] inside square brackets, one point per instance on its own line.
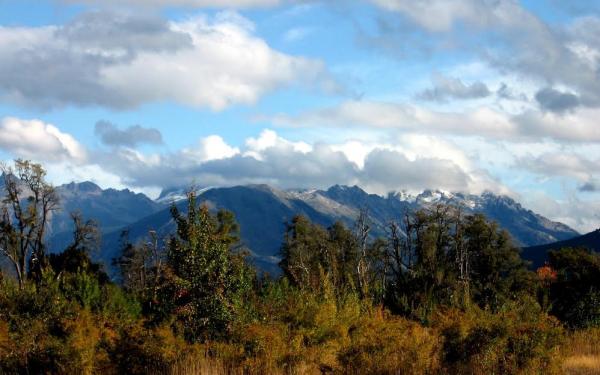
[438, 256]
[497, 273]
[575, 294]
[210, 278]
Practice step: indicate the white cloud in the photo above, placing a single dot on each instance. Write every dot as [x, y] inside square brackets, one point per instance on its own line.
[561, 164]
[385, 115]
[209, 148]
[434, 15]
[123, 61]
[581, 214]
[355, 151]
[37, 140]
[269, 139]
[563, 54]
[272, 159]
[576, 126]
[409, 162]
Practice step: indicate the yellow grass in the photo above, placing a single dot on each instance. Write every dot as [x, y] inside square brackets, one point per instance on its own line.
[582, 353]
[209, 366]
[582, 365]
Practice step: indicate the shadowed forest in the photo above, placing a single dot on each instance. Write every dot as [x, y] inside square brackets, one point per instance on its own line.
[441, 293]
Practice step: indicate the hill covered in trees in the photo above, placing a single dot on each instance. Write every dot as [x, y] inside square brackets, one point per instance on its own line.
[539, 254]
[443, 291]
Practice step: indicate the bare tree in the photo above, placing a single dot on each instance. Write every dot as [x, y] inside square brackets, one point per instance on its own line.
[86, 233]
[462, 256]
[362, 230]
[26, 209]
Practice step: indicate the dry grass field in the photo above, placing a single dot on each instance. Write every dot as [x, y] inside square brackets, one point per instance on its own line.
[582, 353]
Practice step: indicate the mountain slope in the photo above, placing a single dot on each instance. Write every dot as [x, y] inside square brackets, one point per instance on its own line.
[539, 254]
[526, 227]
[262, 212]
[111, 208]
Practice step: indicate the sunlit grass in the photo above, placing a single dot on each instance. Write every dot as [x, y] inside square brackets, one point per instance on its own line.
[582, 352]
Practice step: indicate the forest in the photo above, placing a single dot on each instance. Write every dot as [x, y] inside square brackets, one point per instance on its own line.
[441, 293]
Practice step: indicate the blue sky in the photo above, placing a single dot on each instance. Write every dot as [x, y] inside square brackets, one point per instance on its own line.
[468, 95]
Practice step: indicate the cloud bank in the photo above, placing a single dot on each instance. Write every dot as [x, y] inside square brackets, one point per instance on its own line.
[123, 61]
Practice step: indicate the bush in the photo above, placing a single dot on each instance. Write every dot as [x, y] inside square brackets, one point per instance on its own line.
[140, 350]
[380, 344]
[518, 339]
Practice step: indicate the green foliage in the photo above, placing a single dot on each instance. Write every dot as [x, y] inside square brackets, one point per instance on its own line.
[575, 294]
[313, 255]
[210, 280]
[82, 288]
[34, 326]
[447, 259]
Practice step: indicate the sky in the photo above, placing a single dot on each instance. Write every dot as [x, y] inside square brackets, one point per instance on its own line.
[390, 95]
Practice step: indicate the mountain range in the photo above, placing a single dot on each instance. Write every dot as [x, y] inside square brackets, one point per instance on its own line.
[262, 212]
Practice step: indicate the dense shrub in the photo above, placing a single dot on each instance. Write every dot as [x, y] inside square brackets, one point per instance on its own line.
[380, 344]
[575, 293]
[518, 339]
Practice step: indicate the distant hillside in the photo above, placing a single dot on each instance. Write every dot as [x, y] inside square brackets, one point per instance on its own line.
[112, 209]
[539, 254]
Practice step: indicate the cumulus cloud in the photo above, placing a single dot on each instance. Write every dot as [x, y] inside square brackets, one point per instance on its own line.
[123, 61]
[578, 213]
[212, 147]
[132, 136]
[269, 139]
[578, 126]
[122, 36]
[524, 44]
[556, 101]
[274, 160]
[385, 168]
[561, 164]
[447, 88]
[34, 139]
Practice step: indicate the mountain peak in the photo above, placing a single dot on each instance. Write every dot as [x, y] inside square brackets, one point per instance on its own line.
[83, 187]
[346, 189]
